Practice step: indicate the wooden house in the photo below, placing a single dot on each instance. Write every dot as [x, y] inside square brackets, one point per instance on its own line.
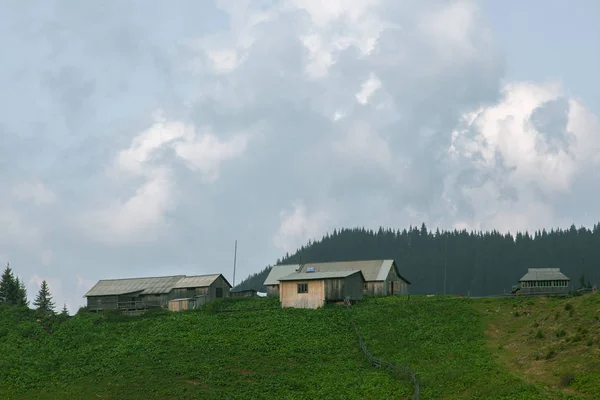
[544, 282]
[144, 293]
[382, 277]
[278, 271]
[315, 289]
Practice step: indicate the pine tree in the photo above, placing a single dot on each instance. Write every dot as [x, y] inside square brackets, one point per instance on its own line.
[7, 286]
[43, 302]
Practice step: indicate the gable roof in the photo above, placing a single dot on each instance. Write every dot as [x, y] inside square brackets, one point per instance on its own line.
[279, 271]
[372, 270]
[198, 281]
[544, 274]
[311, 276]
[153, 285]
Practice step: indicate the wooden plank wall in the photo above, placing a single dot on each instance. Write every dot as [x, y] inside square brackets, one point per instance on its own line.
[290, 297]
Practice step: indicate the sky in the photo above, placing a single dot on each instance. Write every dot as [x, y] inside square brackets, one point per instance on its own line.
[142, 138]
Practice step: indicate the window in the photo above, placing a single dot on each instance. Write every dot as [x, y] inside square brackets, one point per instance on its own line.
[219, 292]
[303, 288]
[365, 287]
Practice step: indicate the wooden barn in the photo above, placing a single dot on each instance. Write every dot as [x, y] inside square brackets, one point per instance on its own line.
[278, 271]
[315, 289]
[143, 293]
[382, 277]
[544, 282]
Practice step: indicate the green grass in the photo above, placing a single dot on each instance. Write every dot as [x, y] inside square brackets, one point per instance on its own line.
[459, 349]
[278, 354]
[552, 343]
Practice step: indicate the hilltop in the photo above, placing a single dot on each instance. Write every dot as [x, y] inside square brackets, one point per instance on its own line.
[458, 348]
[479, 263]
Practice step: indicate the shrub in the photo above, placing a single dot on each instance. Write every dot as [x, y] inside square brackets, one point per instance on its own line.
[539, 334]
[590, 342]
[560, 333]
[535, 324]
[568, 307]
[576, 338]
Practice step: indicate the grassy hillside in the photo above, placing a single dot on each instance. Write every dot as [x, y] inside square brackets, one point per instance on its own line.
[552, 343]
[304, 354]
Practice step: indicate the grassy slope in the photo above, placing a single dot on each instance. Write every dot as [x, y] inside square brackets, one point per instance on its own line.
[553, 343]
[295, 353]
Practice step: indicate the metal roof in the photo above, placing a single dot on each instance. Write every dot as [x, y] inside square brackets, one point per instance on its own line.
[155, 285]
[311, 276]
[372, 270]
[544, 274]
[279, 271]
[197, 281]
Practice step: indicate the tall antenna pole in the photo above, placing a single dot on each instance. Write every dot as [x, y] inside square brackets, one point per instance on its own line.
[445, 265]
[234, 261]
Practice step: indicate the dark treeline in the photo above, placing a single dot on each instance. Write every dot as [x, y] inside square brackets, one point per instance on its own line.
[481, 263]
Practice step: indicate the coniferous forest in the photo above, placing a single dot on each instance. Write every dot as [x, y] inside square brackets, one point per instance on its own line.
[475, 263]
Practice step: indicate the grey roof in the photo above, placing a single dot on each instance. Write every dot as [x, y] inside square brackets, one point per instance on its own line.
[279, 271]
[198, 281]
[544, 274]
[155, 285]
[311, 276]
[372, 270]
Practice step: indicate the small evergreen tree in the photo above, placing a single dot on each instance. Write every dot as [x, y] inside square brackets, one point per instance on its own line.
[21, 294]
[7, 286]
[65, 311]
[43, 302]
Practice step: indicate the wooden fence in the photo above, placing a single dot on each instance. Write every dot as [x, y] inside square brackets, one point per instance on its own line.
[402, 371]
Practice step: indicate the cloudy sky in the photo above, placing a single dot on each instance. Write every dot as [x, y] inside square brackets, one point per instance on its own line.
[141, 138]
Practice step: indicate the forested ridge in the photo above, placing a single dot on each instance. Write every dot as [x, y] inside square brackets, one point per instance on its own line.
[479, 263]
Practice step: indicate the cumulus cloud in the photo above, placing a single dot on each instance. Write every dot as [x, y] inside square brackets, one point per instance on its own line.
[151, 139]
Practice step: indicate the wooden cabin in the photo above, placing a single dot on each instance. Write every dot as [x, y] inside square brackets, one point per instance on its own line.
[544, 282]
[278, 271]
[143, 293]
[382, 277]
[315, 289]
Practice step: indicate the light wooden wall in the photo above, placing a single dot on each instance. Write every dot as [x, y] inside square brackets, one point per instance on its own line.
[290, 297]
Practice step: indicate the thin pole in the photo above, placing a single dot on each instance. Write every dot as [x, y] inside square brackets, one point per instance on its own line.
[234, 261]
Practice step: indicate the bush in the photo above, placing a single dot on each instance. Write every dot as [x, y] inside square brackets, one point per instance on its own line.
[535, 324]
[568, 307]
[539, 334]
[561, 333]
[590, 342]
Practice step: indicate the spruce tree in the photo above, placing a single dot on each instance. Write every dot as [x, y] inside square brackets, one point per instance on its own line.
[65, 311]
[43, 302]
[21, 294]
[7, 286]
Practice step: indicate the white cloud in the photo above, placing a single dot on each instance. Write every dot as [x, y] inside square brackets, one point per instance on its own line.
[520, 161]
[367, 89]
[298, 226]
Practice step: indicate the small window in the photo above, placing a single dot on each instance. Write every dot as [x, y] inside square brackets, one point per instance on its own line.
[365, 287]
[219, 292]
[303, 288]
